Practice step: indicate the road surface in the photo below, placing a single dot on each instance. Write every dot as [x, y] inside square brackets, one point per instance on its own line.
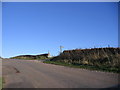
[35, 74]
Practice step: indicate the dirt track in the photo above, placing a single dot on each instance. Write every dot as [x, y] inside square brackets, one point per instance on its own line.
[35, 74]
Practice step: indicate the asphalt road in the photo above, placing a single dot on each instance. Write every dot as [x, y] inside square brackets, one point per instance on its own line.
[35, 74]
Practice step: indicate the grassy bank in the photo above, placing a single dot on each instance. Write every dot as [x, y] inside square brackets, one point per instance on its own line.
[0, 83]
[103, 59]
[30, 57]
[103, 68]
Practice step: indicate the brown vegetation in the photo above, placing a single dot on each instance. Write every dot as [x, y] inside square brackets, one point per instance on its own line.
[108, 57]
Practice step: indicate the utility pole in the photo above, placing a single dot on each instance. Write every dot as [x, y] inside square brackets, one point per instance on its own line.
[61, 49]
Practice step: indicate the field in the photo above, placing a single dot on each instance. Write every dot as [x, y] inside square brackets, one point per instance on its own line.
[31, 57]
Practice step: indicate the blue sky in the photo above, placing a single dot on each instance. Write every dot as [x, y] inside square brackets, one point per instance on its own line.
[0, 29]
[36, 28]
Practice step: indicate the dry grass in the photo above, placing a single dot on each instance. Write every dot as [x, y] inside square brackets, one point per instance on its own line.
[98, 57]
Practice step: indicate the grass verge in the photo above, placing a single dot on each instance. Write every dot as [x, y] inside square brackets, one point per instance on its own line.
[103, 68]
[1, 83]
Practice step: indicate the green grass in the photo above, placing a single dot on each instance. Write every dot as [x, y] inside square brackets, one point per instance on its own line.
[102, 68]
[0, 83]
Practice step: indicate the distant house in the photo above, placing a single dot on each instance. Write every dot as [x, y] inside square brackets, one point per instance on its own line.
[49, 54]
